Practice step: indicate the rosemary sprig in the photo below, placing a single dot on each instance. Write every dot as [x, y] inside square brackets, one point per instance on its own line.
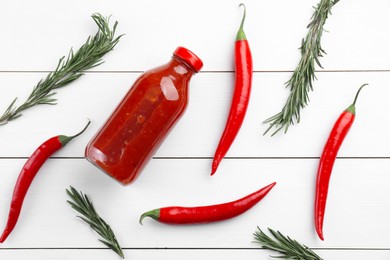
[301, 81]
[82, 204]
[289, 248]
[86, 57]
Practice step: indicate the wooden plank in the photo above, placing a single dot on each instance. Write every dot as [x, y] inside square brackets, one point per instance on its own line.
[176, 254]
[40, 32]
[198, 132]
[356, 217]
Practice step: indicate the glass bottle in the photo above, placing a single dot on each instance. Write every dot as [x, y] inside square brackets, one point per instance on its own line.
[142, 120]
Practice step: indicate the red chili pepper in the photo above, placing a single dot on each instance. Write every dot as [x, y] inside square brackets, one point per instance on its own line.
[205, 214]
[27, 175]
[239, 105]
[328, 157]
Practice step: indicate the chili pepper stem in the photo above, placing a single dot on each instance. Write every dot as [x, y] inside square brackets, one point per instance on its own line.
[154, 214]
[241, 34]
[351, 108]
[66, 139]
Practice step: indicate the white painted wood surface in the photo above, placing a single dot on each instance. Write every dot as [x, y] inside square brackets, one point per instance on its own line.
[36, 33]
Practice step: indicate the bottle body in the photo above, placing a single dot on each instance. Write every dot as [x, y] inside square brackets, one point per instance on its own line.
[141, 121]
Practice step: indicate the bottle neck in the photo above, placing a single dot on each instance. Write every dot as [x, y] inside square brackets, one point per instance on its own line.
[181, 67]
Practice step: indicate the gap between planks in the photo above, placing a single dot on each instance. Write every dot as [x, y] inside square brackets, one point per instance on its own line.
[211, 71]
[193, 248]
[210, 158]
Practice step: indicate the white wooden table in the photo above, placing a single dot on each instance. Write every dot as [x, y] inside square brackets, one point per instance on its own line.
[35, 34]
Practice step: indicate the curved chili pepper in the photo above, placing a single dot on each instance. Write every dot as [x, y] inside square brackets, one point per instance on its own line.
[328, 157]
[239, 105]
[205, 214]
[27, 175]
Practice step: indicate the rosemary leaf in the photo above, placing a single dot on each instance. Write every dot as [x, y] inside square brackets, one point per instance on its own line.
[287, 247]
[301, 81]
[69, 69]
[83, 205]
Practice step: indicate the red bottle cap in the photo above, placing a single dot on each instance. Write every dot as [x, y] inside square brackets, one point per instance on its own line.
[189, 57]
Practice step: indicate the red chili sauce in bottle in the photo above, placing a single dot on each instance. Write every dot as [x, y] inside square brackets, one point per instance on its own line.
[142, 120]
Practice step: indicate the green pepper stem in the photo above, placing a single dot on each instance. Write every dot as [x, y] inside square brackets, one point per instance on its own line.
[66, 139]
[154, 214]
[241, 34]
[351, 108]
[357, 94]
